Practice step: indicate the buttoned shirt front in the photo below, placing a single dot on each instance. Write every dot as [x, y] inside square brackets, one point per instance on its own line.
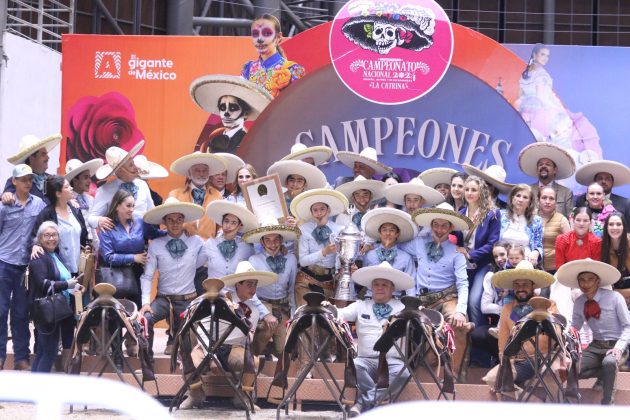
[105, 193]
[311, 251]
[218, 266]
[16, 224]
[402, 262]
[285, 286]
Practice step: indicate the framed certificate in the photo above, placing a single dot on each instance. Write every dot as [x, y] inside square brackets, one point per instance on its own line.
[264, 197]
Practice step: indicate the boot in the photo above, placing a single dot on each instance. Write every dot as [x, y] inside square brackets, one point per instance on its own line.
[195, 399]
[66, 355]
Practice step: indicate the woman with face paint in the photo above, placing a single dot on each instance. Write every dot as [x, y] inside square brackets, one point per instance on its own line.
[272, 71]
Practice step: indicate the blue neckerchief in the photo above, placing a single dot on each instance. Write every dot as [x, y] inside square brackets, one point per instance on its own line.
[434, 251]
[322, 234]
[277, 263]
[519, 311]
[198, 196]
[357, 217]
[40, 181]
[388, 255]
[227, 248]
[381, 310]
[176, 247]
[83, 204]
[131, 187]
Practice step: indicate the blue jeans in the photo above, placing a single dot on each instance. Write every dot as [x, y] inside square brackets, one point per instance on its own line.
[48, 344]
[475, 290]
[13, 298]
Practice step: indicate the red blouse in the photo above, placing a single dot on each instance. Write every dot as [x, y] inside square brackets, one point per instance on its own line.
[567, 248]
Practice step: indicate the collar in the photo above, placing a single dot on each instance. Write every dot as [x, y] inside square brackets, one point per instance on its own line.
[551, 184]
[393, 247]
[272, 61]
[230, 133]
[182, 236]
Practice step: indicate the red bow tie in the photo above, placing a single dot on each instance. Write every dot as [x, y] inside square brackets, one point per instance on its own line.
[247, 311]
[592, 309]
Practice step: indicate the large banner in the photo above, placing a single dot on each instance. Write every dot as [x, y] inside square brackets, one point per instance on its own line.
[483, 111]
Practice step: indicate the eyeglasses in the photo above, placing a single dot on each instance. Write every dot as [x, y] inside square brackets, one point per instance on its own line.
[50, 235]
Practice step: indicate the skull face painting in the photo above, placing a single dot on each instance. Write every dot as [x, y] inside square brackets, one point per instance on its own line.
[384, 36]
[231, 112]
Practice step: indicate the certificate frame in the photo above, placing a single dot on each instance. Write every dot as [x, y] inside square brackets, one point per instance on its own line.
[264, 198]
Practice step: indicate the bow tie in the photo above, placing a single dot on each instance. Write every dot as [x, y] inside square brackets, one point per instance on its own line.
[388, 255]
[357, 217]
[321, 234]
[198, 196]
[381, 310]
[519, 311]
[247, 311]
[434, 251]
[131, 187]
[176, 247]
[277, 263]
[592, 309]
[227, 248]
[40, 181]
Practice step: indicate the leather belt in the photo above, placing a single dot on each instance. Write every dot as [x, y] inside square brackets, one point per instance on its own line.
[179, 298]
[605, 343]
[325, 282]
[280, 302]
[319, 270]
[427, 299]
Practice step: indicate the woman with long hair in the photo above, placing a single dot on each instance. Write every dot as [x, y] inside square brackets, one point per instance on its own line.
[554, 224]
[521, 225]
[244, 174]
[615, 251]
[457, 190]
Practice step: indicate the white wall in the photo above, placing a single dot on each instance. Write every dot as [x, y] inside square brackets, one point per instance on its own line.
[30, 97]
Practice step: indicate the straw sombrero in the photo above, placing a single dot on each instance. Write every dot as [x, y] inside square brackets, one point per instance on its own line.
[233, 163]
[396, 193]
[148, 169]
[530, 155]
[368, 156]
[314, 177]
[246, 271]
[216, 164]
[364, 276]
[373, 219]
[288, 233]
[301, 205]
[424, 217]
[523, 271]
[494, 175]
[319, 154]
[218, 208]
[74, 167]
[377, 188]
[435, 176]
[115, 157]
[171, 205]
[207, 90]
[585, 175]
[30, 144]
[568, 272]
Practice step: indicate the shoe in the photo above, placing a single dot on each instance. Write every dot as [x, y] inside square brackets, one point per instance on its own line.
[494, 332]
[168, 350]
[355, 410]
[598, 385]
[22, 365]
[195, 399]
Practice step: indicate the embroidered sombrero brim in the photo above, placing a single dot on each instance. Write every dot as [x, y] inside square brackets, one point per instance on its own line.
[207, 90]
[49, 143]
[396, 193]
[301, 205]
[365, 275]
[435, 176]
[532, 153]
[503, 187]
[288, 233]
[215, 163]
[567, 273]
[233, 163]
[348, 159]
[585, 175]
[91, 166]
[264, 278]
[373, 219]
[108, 169]
[218, 208]
[424, 217]
[377, 188]
[319, 154]
[315, 178]
[190, 211]
[505, 279]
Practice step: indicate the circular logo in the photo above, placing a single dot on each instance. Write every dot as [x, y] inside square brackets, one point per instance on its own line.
[391, 53]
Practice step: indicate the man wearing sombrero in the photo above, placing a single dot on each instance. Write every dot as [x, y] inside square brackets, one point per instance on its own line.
[221, 180]
[439, 179]
[494, 175]
[441, 277]
[176, 257]
[370, 316]
[33, 151]
[606, 314]
[365, 164]
[360, 192]
[315, 155]
[413, 195]
[297, 176]
[79, 175]
[148, 170]
[549, 163]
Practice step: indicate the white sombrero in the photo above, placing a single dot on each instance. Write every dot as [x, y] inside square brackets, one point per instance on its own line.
[396, 193]
[301, 205]
[218, 208]
[373, 219]
[207, 90]
[30, 144]
[233, 163]
[115, 157]
[424, 217]
[365, 275]
[368, 156]
[435, 176]
[148, 169]
[494, 175]
[216, 164]
[568, 272]
[74, 167]
[377, 188]
[314, 177]
[523, 271]
[530, 155]
[246, 271]
[171, 205]
[585, 175]
[288, 233]
[319, 154]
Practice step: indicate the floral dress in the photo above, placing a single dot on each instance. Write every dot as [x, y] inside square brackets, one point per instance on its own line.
[272, 74]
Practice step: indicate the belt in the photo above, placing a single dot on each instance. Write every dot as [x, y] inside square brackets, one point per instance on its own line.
[431, 298]
[319, 270]
[325, 282]
[280, 302]
[606, 343]
[179, 298]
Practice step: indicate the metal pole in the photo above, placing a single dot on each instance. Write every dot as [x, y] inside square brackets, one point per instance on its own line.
[3, 26]
[179, 17]
[549, 21]
[223, 22]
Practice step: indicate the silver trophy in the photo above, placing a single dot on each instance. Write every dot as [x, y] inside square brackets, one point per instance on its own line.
[348, 242]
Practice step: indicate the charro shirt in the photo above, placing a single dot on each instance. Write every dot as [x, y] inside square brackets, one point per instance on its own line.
[105, 193]
[285, 286]
[403, 262]
[311, 251]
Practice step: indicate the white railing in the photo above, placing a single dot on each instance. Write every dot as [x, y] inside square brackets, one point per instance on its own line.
[43, 21]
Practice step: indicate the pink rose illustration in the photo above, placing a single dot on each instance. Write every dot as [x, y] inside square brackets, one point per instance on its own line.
[96, 123]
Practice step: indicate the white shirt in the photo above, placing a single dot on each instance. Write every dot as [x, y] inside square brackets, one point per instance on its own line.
[105, 193]
[218, 266]
[311, 251]
[285, 286]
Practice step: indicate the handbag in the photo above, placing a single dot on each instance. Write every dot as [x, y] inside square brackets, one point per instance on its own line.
[123, 278]
[50, 309]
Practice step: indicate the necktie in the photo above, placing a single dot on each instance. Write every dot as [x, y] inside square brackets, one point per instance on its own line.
[227, 249]
[277, 263]
[322, 234]
[356, 218]
[434, 251]
[388, 255]
[176, 247]
[519, 311]
[198, 196]
[40, 181]
[381, 310]
[592, 309]
[131, 187]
